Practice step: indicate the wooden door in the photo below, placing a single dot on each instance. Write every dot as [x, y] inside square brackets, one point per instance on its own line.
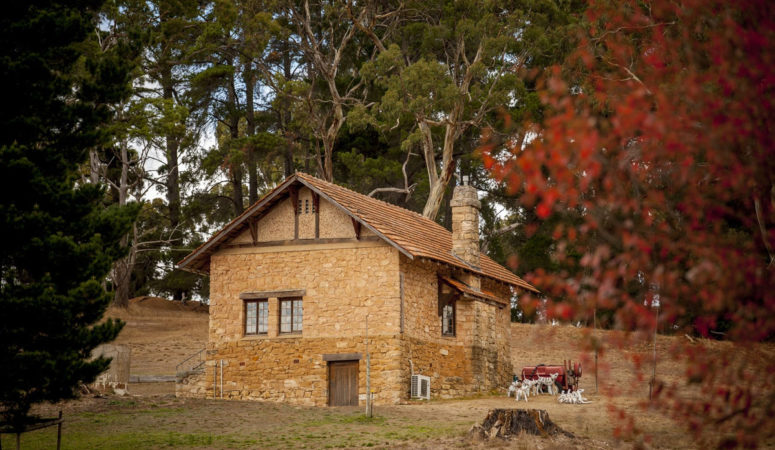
[343, 383]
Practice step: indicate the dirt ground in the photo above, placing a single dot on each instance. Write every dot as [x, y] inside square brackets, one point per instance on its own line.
[161, 334]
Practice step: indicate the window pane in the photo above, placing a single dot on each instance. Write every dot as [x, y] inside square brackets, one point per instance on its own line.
[263, 317]
[285, 316]
[250, 318]
[297, 315]
[448, 319]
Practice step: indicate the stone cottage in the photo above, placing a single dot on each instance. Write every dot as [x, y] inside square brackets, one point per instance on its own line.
[313, 277]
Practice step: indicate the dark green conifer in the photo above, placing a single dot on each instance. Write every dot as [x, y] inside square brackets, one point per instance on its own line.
[58, 240]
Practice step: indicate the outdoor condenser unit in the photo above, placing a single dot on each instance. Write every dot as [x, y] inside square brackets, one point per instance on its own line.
[421, 387]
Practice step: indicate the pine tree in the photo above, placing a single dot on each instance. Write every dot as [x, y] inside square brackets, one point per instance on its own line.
[59, 241]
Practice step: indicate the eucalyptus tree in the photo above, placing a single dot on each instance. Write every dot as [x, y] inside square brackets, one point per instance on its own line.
[334, 45]
[232, 47]
[449, 67]
[156, 130]
[167, 30]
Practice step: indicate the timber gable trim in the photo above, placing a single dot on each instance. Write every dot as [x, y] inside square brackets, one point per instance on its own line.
[276, 194]
[304, 241]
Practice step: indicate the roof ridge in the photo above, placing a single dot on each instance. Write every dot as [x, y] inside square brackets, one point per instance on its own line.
[304, 174]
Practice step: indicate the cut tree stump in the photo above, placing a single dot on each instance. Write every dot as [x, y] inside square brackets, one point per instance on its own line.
[505, 423]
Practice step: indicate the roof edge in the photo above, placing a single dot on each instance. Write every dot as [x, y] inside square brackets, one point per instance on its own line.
[183, 264]
[235, 222]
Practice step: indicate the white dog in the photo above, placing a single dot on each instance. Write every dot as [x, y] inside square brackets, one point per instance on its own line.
[573, 397]
[513, 389]
[522, 392]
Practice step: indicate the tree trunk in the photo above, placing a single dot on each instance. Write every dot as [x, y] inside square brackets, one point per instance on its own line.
[436, 194]
[286, 114]
[122, 275]
[236, 183]
[173, 180]
[122, 269]
[507, 423]
[94, 166]
[236, 167]
[439, 184]
[249, 76]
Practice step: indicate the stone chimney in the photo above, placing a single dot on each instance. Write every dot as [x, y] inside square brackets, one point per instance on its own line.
[465, 223]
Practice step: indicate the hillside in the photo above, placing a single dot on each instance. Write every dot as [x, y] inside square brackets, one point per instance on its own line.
[161, 333]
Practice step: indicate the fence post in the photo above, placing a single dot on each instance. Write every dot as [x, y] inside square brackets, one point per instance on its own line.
[59, 431]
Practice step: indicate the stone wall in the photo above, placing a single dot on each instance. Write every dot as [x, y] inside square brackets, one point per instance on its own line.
[195, 384]
[293, 370]
[334, 223]
[465, 224]
[343, 284]
[277, 224]
[306, 215]
[477, 358]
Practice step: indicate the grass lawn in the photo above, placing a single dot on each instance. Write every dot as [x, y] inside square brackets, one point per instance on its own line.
[168, 422]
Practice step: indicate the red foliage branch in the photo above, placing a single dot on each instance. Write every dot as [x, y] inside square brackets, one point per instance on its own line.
[661, 134]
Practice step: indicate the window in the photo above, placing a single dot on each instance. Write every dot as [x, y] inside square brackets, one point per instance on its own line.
[448, 319]
[256, 316]
[290, 316]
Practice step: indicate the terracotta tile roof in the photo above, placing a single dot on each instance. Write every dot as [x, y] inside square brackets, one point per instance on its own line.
[411, 233]
[470, 292]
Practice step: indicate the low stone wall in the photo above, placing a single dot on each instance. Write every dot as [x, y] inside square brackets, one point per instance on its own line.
[193, 385]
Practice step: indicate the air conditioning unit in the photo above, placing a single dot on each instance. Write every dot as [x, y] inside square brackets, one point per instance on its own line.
[421, 387]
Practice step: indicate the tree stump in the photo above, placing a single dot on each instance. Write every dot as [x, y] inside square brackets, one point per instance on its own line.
[505, 423]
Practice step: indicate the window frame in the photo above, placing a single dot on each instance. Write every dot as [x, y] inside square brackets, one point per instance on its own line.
[452, 303]
[292, 322]
[257, 301]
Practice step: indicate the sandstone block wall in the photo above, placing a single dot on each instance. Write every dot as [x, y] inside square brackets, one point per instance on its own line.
[343, 284]
[279, 222]
[334, 223]
[477, 358]
[465, 224]
[293, 370]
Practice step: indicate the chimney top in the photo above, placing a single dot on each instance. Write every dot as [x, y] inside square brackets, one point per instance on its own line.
[465, 223]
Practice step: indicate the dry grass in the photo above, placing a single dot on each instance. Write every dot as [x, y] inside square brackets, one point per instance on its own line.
[162, 333]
